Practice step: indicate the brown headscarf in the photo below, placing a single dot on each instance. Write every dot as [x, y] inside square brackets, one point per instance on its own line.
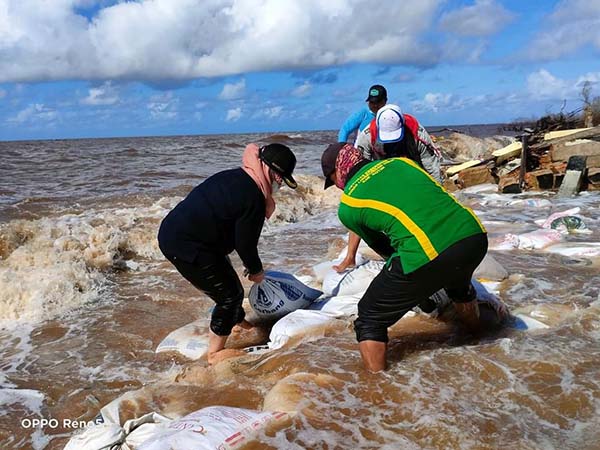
[346, 159]
[261, 174]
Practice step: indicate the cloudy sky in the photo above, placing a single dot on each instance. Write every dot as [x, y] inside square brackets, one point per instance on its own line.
[87, 68]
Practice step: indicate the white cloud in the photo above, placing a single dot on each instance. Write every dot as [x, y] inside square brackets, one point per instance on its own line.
[593, 78]
[156, 40]
[272, 112]
[163, 106]
[484, 18]
[233, 91]
[233, 115]
[542, 85]
[35, 112]
[303, 90]
[433, 102]
[572, 25]
[103, 95]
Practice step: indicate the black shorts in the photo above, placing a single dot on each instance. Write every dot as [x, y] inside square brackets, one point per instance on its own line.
[393, 293]
[215, 276]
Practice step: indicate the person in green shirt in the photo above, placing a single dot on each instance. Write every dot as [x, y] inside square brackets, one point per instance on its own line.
[429, 240]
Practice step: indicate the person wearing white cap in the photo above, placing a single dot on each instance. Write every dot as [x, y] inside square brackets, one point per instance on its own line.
[402, 135]
[393, 134]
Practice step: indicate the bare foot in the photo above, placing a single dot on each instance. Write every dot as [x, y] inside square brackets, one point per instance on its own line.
[243, 325]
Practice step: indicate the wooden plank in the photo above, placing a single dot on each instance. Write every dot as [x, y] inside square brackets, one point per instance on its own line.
[588, 133]
[507, 152]
[455, 169]
[562, 133]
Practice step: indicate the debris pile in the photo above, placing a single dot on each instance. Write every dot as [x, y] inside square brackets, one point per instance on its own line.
[565, 160]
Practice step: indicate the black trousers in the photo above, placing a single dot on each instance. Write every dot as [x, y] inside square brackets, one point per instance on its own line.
[393, 293]
[214, 275]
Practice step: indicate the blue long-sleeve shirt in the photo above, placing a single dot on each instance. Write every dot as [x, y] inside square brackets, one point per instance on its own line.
[357, 121]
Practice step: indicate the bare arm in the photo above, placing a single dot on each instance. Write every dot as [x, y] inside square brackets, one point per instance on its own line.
[350, 259]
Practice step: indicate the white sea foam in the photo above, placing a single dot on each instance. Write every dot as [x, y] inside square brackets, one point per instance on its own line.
[30, 399]
[55, 264]
[307, 200]
[16, 346]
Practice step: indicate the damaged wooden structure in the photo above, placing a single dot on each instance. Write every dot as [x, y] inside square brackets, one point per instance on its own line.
[567, 161]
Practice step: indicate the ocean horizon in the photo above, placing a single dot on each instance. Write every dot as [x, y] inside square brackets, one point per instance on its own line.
[474, 129]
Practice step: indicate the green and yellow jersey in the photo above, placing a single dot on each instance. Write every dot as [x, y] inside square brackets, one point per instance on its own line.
[399, 199]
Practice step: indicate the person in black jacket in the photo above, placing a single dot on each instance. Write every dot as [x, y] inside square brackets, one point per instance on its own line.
[224, 213]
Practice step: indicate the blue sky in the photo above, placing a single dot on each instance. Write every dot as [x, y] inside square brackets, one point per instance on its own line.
[94, 68]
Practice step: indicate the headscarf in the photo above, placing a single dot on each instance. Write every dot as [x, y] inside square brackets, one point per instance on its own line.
[346, 159]
[261, 174]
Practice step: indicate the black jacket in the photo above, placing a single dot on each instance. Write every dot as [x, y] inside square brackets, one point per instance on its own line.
[226, 212]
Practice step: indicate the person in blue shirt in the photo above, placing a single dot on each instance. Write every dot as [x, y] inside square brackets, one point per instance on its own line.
[361, 119]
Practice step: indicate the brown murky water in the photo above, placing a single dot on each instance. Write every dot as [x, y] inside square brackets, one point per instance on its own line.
[85, 298]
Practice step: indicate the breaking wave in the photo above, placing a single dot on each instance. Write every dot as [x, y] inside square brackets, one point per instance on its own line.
[51, 265]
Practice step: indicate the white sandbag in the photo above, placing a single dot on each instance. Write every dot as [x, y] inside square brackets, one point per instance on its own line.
[507, 242]
[340, 305]
[98, 437]
[191, 340]
[480, 188]
[332, 280]
[279, 294]
[539, 239]
[353, 282]
[297, 323]
[111, 435]
[295, 392]
[576, 249]
[534, 240]
[484, 295]
[490, 269]
[215, 427]
[531, 202]
[546, 223]
[322, 269]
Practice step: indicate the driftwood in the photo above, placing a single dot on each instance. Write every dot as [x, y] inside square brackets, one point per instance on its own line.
[592, 133]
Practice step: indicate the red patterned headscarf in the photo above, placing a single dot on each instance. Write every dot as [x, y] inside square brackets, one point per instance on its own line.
[347, 158]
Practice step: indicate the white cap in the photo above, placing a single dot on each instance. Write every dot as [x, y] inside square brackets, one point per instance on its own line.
[390, 124]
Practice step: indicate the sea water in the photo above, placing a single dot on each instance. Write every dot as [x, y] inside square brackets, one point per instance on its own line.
[86, 296]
